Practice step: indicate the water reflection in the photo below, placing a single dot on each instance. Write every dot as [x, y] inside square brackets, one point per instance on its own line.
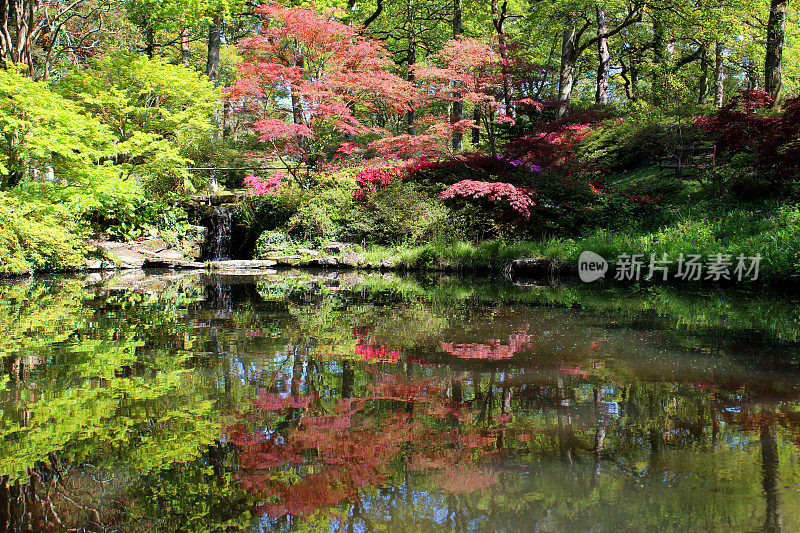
[350, 402]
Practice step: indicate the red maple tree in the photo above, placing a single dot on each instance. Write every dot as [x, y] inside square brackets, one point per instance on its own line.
[308, 81]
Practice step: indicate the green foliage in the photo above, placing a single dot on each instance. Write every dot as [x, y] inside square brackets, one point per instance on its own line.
[272, 239]
[399, 212]
[37, 236]
[642, 134]
[157, 111]
[127, 218]
[39, 129]
[312, 221]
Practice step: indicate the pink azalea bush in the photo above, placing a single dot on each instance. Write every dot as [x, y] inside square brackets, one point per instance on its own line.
[257, 186]
[370, 180]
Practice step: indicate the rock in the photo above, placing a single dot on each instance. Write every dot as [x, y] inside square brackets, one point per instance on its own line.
[192, 250]
[127, 258]
[152, 245]
[275, 248]
[323, 262]
[352, 259]
[308, 251]
[254, 264]
[170, 254]
[531, 266]
[94, 264]
[164, 262]
[224, 197]
[287, 260]
[389, 263]
[337, 247]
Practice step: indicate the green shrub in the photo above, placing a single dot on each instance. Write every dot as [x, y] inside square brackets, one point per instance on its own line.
[644, 133]
[400, 212]
[36, 236]
[312, 221]
[130, 217]
[271, 239]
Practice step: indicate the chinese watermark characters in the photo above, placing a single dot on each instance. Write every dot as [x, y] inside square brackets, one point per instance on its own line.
[685, 267]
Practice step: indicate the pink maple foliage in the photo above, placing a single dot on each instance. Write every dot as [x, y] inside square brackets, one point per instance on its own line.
[517, 198]
[333, 77]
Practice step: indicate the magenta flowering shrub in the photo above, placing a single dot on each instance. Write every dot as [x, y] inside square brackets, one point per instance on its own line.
[518, 198]
[257, 186]
[370, 180]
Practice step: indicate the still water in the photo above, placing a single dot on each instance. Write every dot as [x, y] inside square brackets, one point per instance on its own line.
[349, 402]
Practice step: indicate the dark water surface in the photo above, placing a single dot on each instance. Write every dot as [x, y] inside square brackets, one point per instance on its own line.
[353, 402]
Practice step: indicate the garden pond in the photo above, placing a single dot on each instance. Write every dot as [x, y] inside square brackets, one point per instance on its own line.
[377, 402]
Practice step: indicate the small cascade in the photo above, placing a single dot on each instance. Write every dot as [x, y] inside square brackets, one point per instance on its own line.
[221, 239]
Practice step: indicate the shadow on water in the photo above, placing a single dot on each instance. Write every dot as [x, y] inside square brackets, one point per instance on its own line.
[343, 401]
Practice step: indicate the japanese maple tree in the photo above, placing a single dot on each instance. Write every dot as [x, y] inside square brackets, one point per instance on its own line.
[308, 81]
[468, 71]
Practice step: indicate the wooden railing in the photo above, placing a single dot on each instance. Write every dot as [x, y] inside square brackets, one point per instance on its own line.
[688, 157]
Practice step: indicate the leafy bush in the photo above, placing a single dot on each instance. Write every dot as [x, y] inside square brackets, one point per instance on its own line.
[272, 239]
[638, 138]
[130, 217]
[37, 236]
[312, 221]
[398, 212]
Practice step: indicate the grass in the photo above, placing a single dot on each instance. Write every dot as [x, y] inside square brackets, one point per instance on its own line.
[775, 235]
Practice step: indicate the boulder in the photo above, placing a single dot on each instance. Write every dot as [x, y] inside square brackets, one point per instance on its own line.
[254, 264]
[287, 260]
[352, 259]
[308, 251]
[323, 262]
[163, 262]
[151, 245]
[337, 247]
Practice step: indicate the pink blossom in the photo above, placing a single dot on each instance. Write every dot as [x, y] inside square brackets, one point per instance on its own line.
[256, 186]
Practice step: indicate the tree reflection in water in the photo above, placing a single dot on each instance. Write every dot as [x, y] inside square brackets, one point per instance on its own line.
[387, 404]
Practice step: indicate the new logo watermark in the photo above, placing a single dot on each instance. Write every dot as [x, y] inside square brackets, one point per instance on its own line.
[687, 267]
[591, 266]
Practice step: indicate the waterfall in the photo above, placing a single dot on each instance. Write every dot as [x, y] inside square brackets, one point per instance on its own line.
[221, 241]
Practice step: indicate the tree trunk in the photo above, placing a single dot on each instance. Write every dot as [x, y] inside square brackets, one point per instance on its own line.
[214, 42]
[660, 52]
[498, 21]
[458, 105]
[566, 73]
[185, 46]
[776, 33]
[476, 130]
[603, 58]
[702, 85]
[719, 76]
[150, 41]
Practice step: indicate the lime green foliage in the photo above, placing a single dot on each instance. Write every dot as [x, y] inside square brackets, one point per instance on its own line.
[155, 110]
[38, 236]
[39, 129]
